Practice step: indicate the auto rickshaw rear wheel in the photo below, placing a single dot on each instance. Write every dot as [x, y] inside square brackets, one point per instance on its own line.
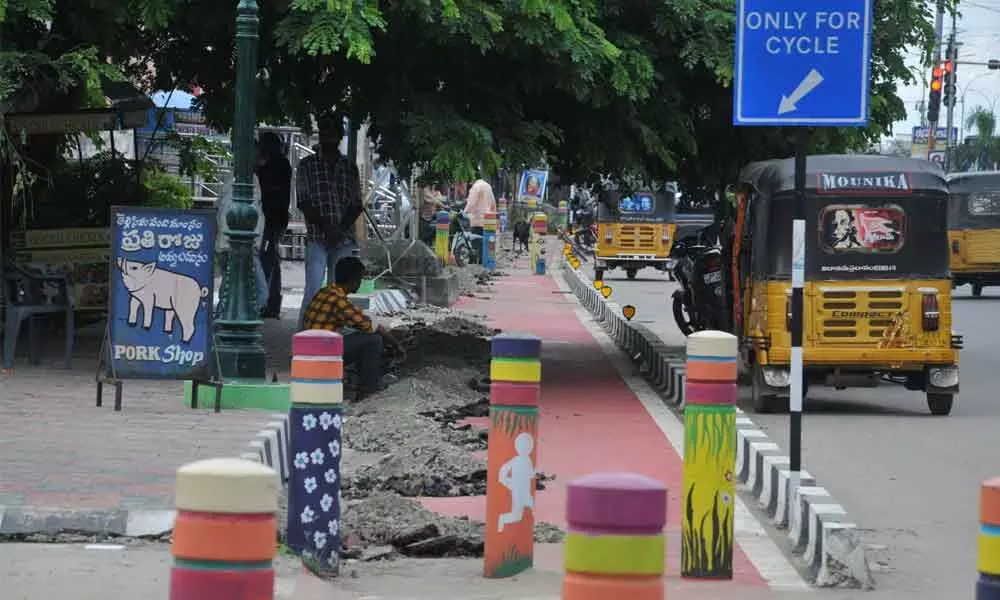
[940, 404]
[598, 274]
[630, 273]
[977, 289]
[764, 402]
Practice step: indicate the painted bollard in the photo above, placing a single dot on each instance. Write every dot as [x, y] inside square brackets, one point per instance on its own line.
[490, 241]
[709, 456]
[225, 533]
[315, 420]
[442, 231]
[562, 212]
[988, 563]
[515, 387]
[615, 546]
[502, 213]
[539, 229]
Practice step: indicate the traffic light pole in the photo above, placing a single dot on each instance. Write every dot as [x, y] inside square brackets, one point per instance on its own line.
[950, 79]
[938, 39]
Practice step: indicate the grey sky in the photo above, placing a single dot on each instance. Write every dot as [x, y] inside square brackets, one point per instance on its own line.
[979, 30]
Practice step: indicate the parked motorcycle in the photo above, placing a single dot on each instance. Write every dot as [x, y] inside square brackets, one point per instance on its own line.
[585, 226]
[464, 243]
[700, 302]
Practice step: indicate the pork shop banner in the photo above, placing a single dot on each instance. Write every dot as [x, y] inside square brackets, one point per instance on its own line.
[162, 276]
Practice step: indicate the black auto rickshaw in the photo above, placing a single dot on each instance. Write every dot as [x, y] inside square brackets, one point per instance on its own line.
[634, 230]
[877, 290]
[974, 229]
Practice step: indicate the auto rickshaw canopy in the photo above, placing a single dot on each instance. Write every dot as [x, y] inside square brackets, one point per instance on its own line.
[854, 174]
[975, 200]
[639, 206]
[866, 217]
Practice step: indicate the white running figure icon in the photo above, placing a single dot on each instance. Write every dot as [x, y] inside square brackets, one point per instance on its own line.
[517, 475]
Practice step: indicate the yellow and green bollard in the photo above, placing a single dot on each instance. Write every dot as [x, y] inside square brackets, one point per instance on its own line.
[442, 230]
[709, 492]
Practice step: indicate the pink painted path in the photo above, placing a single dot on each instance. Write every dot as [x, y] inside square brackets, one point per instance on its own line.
[590, 419]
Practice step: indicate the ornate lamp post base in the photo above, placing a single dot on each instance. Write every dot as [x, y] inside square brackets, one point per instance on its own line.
[239, 342]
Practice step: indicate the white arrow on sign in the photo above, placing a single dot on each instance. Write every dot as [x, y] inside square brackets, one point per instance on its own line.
[808, 84]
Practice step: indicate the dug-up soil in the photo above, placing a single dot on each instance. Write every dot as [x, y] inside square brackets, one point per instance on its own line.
[405, 443]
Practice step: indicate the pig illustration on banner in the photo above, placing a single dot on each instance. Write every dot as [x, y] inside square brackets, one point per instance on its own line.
[149, 287]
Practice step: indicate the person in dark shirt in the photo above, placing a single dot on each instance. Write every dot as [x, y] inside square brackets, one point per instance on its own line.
[328, 192]
[274, 174]
[332, 310]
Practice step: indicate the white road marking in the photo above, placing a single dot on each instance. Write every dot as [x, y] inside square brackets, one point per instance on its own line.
[767, 558]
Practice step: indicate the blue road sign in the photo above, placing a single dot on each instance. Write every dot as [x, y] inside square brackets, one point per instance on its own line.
[802, 62]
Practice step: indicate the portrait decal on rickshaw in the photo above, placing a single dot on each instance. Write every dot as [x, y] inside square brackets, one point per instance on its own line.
[863, 229]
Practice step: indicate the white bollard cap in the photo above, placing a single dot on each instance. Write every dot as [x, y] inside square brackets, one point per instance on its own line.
[227, 485]
[712, 344]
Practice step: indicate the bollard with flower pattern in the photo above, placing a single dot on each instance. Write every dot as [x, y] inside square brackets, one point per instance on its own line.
[315, 422]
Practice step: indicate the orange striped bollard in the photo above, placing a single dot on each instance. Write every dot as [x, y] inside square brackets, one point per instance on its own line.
[615, 546]
[988, 564]
[515, 379]
[225, 534]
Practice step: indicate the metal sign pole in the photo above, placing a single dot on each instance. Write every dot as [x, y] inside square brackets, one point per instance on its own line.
[798, 278]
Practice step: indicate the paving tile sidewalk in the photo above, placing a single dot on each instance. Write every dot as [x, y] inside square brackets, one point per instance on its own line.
[68, 465]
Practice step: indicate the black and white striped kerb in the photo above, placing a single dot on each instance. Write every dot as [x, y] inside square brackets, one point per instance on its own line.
[826, 542]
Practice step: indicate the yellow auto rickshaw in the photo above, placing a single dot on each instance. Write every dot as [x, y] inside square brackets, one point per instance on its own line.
[974, 229]
[877, 289]
[634, 230]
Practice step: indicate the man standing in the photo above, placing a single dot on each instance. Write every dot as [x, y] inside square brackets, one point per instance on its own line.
[332, 310]
[274, 174]
[328, 188]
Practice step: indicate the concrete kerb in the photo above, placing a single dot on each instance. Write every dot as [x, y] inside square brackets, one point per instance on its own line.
[824, 540]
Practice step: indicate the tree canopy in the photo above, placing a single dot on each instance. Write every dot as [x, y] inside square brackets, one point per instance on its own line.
[461, 87]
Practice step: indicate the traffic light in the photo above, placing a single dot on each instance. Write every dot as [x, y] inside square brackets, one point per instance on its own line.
[934, 104]
[949, 83]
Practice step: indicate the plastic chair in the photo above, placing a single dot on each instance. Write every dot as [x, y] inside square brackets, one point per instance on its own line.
[30, 296]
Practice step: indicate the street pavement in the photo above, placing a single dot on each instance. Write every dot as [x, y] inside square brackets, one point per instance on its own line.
[88, 467]
[109, 572]
[102, 572]
[909, 480]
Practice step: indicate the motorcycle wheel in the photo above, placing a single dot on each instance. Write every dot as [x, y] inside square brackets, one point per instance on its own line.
[630, 273]
[463, 254]
[681, 317]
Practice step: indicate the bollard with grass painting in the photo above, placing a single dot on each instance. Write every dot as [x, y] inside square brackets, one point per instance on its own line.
[315, 420]
[442, 231]
[709, 491]
[225, 533]
[515, 380]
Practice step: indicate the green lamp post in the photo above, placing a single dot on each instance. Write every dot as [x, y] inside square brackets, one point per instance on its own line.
[239, 342]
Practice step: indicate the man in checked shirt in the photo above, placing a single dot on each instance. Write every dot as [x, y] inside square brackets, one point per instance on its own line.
[332, 310]
[328, 192]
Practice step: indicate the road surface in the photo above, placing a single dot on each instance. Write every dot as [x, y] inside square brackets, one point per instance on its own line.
[908, 479]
